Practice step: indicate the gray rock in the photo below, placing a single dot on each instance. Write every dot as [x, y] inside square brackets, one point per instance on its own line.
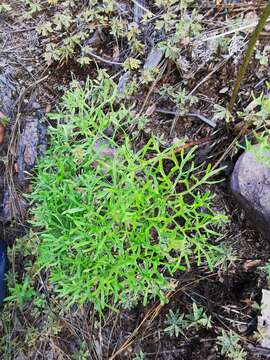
[103, 148]
[250, 183]
[96, 39]
[123, 82]
[153, 59]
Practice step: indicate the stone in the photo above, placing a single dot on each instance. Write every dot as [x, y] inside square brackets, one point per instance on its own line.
[96, 39]
[250, 183]
[103, 148]
[153, 59]
[103, 152]
[121, 86]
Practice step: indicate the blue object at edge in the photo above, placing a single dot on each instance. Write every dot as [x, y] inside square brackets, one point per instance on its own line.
[3, 269]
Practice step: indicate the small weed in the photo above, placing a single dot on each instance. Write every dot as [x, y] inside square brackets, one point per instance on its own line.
[227, 259]
[221, 113]
[198, 318]
[230, 347]
[258, 110]
[176, 323]
[115, 223]
[262, 57]
[70, 31]
[179, 97]
[262, 152]
[266, 269]
[21, 293]
[83, 353]
[139, 356]
[5, 8]
[4, 120]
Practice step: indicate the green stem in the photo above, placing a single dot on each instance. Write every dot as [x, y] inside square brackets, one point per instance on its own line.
[248, 54]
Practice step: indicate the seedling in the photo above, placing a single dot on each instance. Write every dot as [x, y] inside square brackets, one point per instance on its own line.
[4, 8]
[175, 323]
[21, 293]
[229, 343]
[198, 318]
[4, 120]
[178, 323]
[139, 356]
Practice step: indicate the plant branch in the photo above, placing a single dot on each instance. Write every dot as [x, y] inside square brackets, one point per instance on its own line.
[248, 54]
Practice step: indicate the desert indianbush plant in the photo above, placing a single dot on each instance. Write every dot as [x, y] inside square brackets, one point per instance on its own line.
[115, 224]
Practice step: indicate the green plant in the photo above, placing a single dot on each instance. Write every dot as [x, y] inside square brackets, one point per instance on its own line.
[4, 120]
[221, 113]
[175, 323]
[179, 97]
[262, 151]
[139, 356]
[227, 259]
[76, 30]
[116, 223]
[4, 7]
[33, 7]
[266, 269]
[21, 293]
[131, 64]
[262, 57]
[230, 347]
[83, 353]
[257, 111]
[178, 30]
[198, 318]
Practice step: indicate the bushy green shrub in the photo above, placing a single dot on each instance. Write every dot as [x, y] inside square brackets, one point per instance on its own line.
[116, 224]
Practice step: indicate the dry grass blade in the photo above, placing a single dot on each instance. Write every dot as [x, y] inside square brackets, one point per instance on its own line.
[248, 54]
